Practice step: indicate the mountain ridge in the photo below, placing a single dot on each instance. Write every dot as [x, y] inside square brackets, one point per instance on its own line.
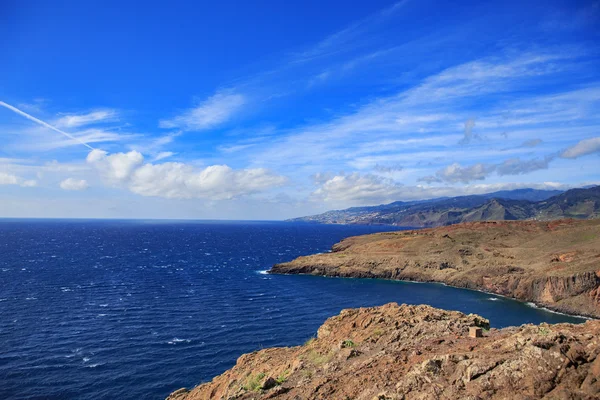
[519, 204]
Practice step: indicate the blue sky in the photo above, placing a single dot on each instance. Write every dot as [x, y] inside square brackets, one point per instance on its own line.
[270, 109]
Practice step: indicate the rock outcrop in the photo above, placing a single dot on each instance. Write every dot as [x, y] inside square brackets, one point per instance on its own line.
[418, 352]
[553, 264]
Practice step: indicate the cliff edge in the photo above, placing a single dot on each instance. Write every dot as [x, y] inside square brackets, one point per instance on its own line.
[418, 352]
[553, 264]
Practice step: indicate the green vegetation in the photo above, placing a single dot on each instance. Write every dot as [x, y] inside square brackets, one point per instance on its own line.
[319, 359]
[310, 341]
[283, 376]
[348, 343]
[253, 382]
[544, 330]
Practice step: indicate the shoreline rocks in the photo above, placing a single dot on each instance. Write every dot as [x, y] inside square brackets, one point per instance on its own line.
[404, 352]
[552, 264]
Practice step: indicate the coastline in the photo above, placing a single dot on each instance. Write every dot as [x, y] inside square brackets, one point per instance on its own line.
[553, 265]
[396, 351]
[528, 303]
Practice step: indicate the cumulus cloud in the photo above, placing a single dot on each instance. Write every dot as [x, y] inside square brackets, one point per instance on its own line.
[583, 148]
[356, 188]
[74, 184]
[8, 179]
[98, 116]
[213, 111]
[11, 179]
[29, 183]
[456, 173]
[178, 180]
[321, 177]
[116, 167]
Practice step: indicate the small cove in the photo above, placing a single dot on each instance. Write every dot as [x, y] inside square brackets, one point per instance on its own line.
[137, 309]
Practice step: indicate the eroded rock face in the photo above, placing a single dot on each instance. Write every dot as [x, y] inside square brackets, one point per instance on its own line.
[418, 352]
[554, 264]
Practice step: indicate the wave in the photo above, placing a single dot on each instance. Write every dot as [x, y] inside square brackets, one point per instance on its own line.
[263, 272]
[177, 340]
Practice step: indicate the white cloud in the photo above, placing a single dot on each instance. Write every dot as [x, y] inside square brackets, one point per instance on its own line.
[44, 124]
[94, 117]
[483, 76]
[29, 183]
[8, 179]
[11, 179]
[74, 184]
[178, 180]
[154, 146]
[162, 155]
[358, 189]
[432, 113]
[212, 112]
[117, 167]
[235, 148]
[456, 173]
[583, 148]
[87, 136]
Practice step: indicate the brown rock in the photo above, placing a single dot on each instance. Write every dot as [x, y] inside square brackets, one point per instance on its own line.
[420, 353]
[268, 383]
[511, 258]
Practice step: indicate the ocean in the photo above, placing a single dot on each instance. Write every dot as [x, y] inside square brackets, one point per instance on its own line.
[137, 309]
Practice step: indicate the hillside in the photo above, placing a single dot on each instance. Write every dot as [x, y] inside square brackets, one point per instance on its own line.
[554, 264]
[522, 204]
[417, 352]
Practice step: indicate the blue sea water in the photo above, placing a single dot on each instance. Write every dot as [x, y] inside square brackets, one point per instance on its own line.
[134, 309]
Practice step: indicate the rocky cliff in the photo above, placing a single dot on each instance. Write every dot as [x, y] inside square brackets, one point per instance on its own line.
[418, 352]
[554, 264]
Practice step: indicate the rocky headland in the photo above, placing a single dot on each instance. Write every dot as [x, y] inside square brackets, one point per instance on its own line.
[553, 264]
[418, 352]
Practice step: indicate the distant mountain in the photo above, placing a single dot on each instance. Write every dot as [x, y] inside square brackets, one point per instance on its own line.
[520, 204]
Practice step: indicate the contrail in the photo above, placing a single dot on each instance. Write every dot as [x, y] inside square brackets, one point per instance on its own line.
[47, 125]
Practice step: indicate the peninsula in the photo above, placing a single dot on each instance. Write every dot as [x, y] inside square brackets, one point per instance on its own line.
[397, 352]
[552, 264]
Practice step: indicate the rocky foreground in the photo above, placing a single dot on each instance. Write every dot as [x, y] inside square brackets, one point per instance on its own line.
[553, 264]
[418, 352]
